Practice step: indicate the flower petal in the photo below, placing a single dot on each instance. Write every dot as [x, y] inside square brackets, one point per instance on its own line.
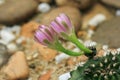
[66, 19]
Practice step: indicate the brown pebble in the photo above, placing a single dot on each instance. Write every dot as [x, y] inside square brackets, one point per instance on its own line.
[17, 67]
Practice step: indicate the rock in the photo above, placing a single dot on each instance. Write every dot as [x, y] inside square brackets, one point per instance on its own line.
[28, 29]
[108, 33]
[118, 12]
[82, 4]
[65, 76]
[60, 57]
[12, 47]
[44, 1]
[7, 36]
[45, 53]
[44, 7]
[45, 76]
[72, 12]
[114, 3]
[14, 11]
[17, 67]
[4, 56]
[97, 9]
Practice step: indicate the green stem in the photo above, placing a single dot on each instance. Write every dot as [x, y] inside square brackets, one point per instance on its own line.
[59, 47]
[72, 37]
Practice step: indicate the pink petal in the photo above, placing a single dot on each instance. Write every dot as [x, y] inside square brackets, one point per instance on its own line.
[56, 27]
[66, 19]
[60, 23]
[40, 37]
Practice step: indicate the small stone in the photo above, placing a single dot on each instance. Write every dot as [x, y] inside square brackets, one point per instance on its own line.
[29, 58]
[46, 53]
[17, 67]
[15, 11]
[72, 12]
[20, 40]
[4, 55]
[114, 3]
[29, 29]
[97, 19]
[64, 76]
[96, 11]
[7, 36]
[35, 55]
[108, 33]
[12, 47]
[45, 76]
[43, 7]
[44, 1]
[16, 30]
[118, 12]
[61, 57]
[2, 1]
[82, 4]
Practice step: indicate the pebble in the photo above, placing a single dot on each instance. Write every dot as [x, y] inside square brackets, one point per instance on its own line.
[97, 12]
[6, 36]
[17, 67]
[118, 12]
[12, 47]
[61, 57]
[97, 19]
[28, 29]
[29, 58]
[108, 33]
[35, 55]
[2, 2]
[90, 43]
[45, 53]
[90, 33]
[76, 49]
[43, 7]
[72, 12]
[16, 30]
[113, 3]
[16, 11]
[105, 47]
[44, 1]
[81, 4]
[65, 76]
[4, 55]
[20, 40]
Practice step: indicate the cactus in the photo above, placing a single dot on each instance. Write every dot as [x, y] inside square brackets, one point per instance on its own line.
[100, 68]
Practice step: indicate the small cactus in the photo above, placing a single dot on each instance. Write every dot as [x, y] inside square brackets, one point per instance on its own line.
[101, 68]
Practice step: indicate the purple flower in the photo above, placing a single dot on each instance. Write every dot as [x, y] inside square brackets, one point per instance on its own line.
[44, 35]
[62, 23]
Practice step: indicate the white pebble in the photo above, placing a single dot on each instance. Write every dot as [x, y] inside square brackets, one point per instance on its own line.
[2, 1]
[97, 20]
[20, 40]
[35, 55]
[29, 58]
[16, 29]
[61, 57]
[3, 42]
[64, 76]
[90, 33]
[76, 50]
[105, 47]
[12, 47]
[90, 43]
[7, 36]
[43, 7]
[118, 13]
[118, 49]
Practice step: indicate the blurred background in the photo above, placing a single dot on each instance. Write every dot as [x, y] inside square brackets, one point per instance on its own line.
[21, 58]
